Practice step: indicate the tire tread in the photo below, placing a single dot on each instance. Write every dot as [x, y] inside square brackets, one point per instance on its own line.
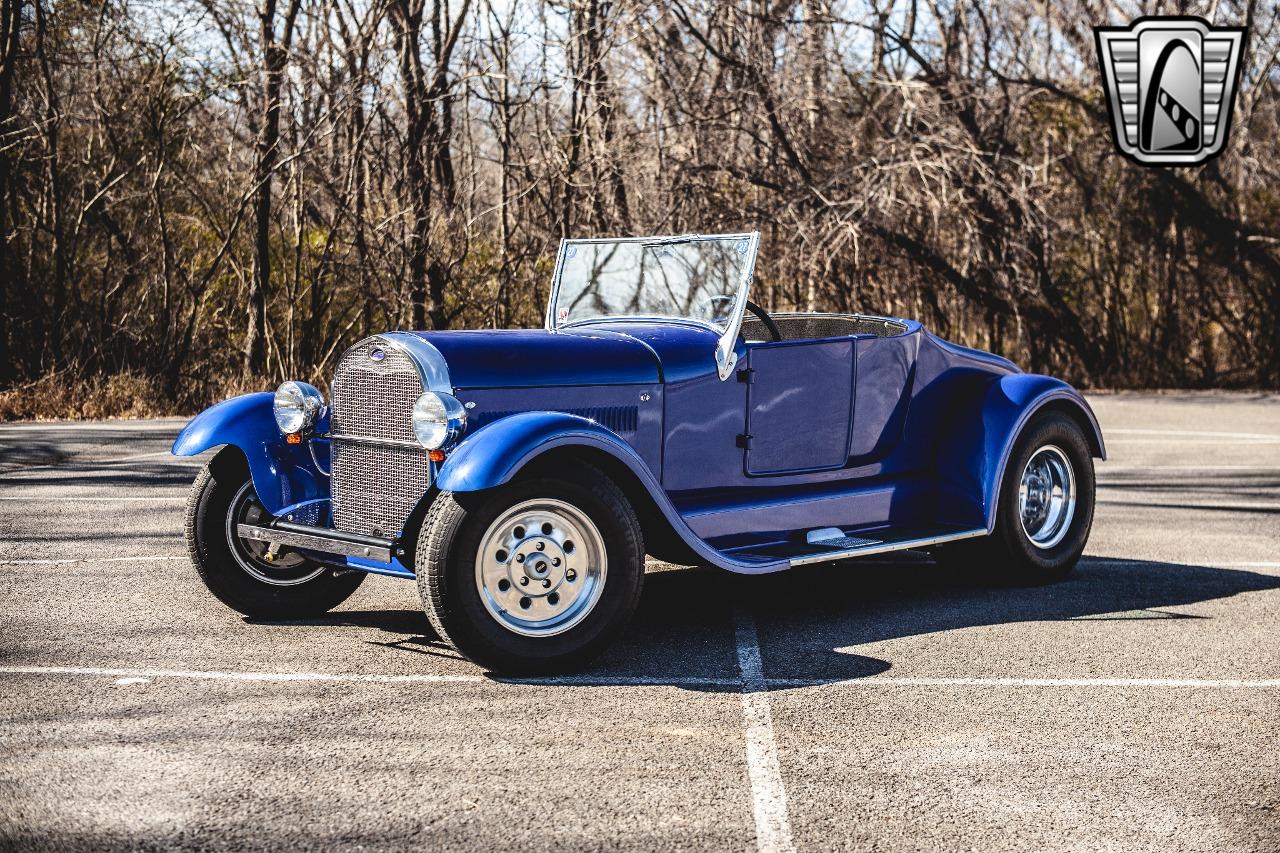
[228, 583]
[444, 523]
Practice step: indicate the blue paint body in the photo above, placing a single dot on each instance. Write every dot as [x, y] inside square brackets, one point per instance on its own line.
[284, 475]
[860, 432]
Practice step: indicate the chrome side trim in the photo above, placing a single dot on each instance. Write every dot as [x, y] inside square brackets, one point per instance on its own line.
[320, 539]
[886, 547]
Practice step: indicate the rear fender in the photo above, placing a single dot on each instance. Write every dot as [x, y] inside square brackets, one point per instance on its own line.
[496, 453]
[973, 455]
[284, 475]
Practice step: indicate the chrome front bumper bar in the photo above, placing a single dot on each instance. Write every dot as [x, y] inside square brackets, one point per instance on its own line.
[322, 539]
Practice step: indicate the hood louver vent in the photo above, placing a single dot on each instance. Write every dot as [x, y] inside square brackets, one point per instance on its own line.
[619, 419]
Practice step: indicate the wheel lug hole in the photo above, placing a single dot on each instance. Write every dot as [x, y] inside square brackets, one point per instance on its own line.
[504, 585]
[524, 580]
[541, 546]
[571, 575]
[526, 602]
[546, 583]
[519, 558]
[555, 561]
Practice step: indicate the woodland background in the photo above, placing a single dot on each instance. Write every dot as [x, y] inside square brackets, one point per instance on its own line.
[199, 197]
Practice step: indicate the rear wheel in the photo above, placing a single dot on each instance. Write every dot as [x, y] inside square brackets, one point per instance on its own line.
[534, 577]
[1044, 511]
[248, 576]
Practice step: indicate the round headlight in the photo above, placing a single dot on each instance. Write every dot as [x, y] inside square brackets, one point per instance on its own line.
[297, 407]
[438, 420]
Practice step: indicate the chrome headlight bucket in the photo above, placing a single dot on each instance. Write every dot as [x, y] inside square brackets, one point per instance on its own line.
[297, 407]
[439, 420]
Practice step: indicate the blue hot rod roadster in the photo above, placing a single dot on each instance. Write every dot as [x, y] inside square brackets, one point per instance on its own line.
[522, 475]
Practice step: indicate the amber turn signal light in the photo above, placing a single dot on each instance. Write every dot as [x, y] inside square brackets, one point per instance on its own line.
[293, 438]
[436, 455]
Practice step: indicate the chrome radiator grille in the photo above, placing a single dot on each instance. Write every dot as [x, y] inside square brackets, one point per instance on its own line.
[374, 399]
[379, 486]
[376, 480]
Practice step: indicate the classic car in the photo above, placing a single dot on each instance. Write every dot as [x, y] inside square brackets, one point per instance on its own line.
[521, 476]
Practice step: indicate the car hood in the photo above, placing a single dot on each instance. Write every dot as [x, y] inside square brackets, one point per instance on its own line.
[536, 358]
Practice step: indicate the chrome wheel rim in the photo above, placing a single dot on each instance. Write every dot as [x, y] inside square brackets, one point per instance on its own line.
[287, 569]
[1047, 497]
[541, 567]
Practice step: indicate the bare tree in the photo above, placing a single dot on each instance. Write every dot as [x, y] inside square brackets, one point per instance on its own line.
[205, 201]
[274, 56]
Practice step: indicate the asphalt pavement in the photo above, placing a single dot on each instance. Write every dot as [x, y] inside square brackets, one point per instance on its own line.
[873, 705]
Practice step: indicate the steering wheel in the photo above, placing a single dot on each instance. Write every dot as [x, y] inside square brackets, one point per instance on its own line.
[761, 314]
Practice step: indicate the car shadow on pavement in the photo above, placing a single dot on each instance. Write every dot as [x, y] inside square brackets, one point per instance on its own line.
[811, 620]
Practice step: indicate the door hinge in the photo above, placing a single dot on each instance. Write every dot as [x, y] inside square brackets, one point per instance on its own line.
[747, 375]
[743, 441]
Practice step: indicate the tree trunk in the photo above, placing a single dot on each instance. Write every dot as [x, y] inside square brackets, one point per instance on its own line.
[10, 26]
[275, 55]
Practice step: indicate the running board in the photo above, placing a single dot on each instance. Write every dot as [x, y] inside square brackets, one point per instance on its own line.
[830, 544]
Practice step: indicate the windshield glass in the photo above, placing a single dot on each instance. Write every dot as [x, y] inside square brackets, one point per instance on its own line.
[693, 278]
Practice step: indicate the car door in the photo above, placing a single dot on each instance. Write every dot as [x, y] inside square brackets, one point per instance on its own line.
[799, 406]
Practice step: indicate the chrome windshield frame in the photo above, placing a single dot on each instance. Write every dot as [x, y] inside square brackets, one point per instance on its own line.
[725, 355]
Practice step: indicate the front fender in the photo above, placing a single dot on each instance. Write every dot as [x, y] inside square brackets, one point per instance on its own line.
[972, 457]
[493, 455]
[284, 475]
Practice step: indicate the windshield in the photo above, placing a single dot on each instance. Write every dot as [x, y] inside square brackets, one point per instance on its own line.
[691, 278]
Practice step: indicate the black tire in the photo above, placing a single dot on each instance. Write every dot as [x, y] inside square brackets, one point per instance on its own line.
[1008, 555]
[219, 560]
[451, 536]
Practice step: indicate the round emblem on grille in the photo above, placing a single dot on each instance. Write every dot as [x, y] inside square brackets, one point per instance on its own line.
[377, 355]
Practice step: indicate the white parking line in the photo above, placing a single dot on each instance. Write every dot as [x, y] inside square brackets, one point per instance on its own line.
[88, 425]
[1186, 440]
[232, 676]
[58, 499]
[1242, 506]
[1108, 468]
[912, 681]
[768, 796]
[71, 560]
[372, 678]
[765, 747]
[1196, 433]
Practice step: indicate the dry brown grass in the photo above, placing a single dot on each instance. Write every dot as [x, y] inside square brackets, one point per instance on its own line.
[64, 395]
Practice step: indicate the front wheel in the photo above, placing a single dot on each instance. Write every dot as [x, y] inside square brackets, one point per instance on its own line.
[248, 576]
[535, 577]
[1044, 510]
